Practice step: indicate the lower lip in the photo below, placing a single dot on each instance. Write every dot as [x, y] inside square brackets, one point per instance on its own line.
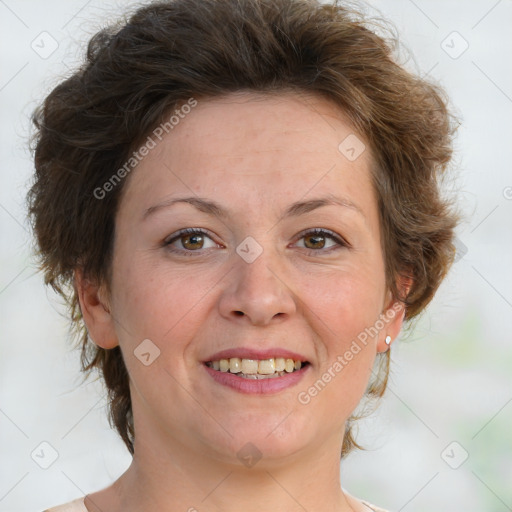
[257, 386]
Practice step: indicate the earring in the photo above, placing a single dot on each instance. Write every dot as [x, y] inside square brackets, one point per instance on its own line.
[388, 340]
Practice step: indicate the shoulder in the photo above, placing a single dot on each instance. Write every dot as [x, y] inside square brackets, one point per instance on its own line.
[373, 507]
[360, 504]
[77, 505]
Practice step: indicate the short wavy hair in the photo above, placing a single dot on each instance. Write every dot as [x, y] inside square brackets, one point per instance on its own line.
[138, 70]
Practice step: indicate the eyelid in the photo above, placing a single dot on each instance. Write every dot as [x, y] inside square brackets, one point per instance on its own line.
[327, 233]
[186, 231]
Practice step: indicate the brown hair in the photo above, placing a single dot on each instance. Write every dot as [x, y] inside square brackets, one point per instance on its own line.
[137, 72]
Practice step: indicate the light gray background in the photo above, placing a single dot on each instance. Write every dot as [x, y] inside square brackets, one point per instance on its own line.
[451, 378]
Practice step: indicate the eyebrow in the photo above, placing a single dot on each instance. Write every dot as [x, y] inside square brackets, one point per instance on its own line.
[294, 210]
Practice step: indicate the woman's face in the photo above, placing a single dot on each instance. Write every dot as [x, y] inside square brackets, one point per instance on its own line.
[256, 282]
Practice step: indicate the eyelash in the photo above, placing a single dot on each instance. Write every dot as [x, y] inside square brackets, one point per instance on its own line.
[316, 231]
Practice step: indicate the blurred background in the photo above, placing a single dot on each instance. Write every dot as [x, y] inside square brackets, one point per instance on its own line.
[441, 439]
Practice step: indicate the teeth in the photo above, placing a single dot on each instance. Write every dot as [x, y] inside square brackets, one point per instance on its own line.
[289, 365]
[280, 364]
[249, 366]
[266, 367]
[256, 369]
[235, 365]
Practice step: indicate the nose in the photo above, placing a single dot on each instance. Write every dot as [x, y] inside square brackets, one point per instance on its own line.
[257, 292]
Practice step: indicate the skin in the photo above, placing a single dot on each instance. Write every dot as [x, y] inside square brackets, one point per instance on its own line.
[254, 155]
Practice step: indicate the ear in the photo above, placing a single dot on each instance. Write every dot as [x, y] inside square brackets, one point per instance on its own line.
[393, 315]
[96, 311]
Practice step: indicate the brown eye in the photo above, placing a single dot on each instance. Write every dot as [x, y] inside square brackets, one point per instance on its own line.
[192, 241]
[315, 240]
[189, 241]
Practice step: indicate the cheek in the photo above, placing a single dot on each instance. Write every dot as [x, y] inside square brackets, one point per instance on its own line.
[158, 302]
[345, 305]
[347, 302]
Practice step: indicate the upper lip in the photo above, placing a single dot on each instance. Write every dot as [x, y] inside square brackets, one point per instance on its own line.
[250, 353]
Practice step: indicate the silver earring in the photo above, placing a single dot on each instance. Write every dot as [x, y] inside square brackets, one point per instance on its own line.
[388, 340]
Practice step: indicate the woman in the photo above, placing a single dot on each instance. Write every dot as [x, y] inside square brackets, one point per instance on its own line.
[240, 202]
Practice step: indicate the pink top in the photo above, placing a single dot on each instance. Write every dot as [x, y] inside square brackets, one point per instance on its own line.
[373, 507]
[79, 506]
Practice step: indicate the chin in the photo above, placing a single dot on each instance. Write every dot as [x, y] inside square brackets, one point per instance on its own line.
[267, 439]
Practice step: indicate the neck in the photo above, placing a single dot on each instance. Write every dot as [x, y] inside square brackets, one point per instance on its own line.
[182, 480]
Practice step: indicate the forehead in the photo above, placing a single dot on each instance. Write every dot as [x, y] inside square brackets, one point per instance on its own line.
[257, 149]
[266, 123]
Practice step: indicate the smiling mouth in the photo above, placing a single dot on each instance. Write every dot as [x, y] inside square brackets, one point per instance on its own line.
[257, 369]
